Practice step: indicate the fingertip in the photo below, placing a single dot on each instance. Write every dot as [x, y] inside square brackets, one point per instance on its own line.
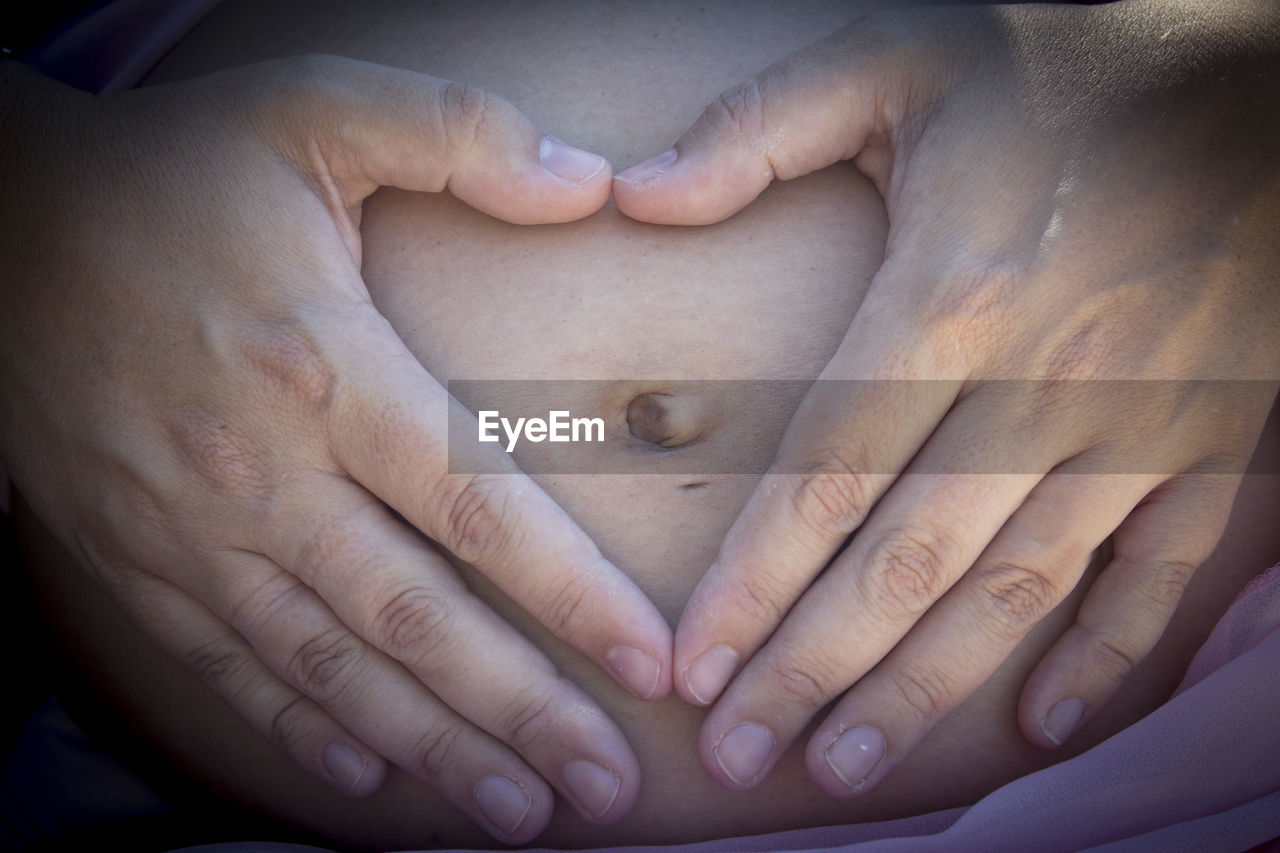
[685, 188]
[443, 134]
[570, 164]
[353, 770]
[646, 675]
[704, 678]
[372, 780]
[560, 184]
[573, 183]
[1049, 710]
[820, 771]
[601, 795]
[704, 660]
[740, 755]
[602, 781]
[1031, 710]
[649, 170]
[632, 641]
[1061, 720]
[846, 763]
[512, 809]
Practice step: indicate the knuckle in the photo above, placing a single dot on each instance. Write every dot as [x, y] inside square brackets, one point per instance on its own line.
[340, 542]
[273, 599]
[1158, 582]
[221, 454]
[808, 680]
[437, 749]
[1047, 403]
[1084, 353]
[1109, 656]
[906, 574]
[466, 112]
[1169, 579]
[321, 665]
[414, 625]
[923, 689]
[832, 499]
[972, 299]
[293, 367]
[527, 718]
[323, 546]
[1016, 597]
[741, 107]
[218, 665]
[287, 725]
[569, 607]
[761, 597]
[476, 512]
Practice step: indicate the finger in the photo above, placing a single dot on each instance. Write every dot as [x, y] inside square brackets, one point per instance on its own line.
[827, 102]
[923, 535]
[1012, 427]
[835, 462]
[379, 126]
[391, 436]
[863, 421]
[231, 669]
[1157, 550]
[384, 584]
[300, 639]
[852, 616]
[1028, 569]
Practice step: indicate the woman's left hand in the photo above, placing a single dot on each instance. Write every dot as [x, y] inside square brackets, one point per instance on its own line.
[1076, 194]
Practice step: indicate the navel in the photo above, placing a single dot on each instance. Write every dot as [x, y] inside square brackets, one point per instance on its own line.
[667, 420]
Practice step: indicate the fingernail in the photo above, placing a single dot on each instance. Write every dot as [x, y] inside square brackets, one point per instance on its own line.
[855, 754]
[345, 764]
[1062, 720]
[594, 787]
[636, 669]
[706, 677]
[565, 161]
[503, 802]
[649, 169]
[742, 753]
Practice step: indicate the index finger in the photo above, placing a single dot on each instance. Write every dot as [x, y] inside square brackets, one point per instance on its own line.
[389, 432]
[845, 445]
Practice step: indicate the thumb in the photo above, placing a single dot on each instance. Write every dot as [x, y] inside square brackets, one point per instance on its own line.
[833, 100]
[369, 125]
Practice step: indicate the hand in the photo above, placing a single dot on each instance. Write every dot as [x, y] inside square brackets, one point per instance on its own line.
[202, 403]
[1076, 195]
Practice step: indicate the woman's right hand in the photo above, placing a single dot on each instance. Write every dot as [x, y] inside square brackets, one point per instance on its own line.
[201, 402]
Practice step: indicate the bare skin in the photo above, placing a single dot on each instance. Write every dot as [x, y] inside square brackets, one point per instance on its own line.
[609, 298]
[1075, 193]
[189, 400]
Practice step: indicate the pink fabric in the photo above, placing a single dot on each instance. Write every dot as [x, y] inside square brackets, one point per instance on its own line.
[1244, 625]
[1201, 773]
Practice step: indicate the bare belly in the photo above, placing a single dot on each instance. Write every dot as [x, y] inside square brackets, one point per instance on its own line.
[669, 314]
